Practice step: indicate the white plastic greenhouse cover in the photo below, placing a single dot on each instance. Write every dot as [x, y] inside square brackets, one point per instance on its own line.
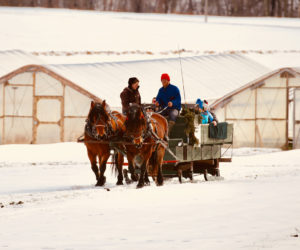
[14, 59]
[207, 77]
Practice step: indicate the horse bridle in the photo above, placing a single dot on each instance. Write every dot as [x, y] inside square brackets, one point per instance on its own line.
[91, 129]
[145, 132]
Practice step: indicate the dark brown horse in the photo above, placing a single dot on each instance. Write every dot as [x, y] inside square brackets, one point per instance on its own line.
[145, 134]
[101, 126]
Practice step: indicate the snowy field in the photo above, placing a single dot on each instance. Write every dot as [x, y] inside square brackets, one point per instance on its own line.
[47, 195]
[78, 36]
[50, 202]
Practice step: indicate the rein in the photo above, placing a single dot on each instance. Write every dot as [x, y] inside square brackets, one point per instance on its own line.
[91, 129]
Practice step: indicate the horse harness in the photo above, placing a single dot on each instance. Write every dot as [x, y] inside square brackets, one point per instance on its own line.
[90, 128]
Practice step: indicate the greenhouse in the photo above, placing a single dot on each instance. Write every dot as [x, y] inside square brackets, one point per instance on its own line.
[47, 103]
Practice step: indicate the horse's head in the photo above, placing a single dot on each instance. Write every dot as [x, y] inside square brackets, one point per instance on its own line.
[98, 119]
[136, 123]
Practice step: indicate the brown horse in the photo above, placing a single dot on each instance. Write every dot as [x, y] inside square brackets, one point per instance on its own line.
[145, 135]
[101, 126]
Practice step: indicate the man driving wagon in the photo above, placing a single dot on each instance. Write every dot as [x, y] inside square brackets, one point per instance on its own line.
[168, 98]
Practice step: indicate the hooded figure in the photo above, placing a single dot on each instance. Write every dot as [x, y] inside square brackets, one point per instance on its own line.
[130, 94]
[206, 116]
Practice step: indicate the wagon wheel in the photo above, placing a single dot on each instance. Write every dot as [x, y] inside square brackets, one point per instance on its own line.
[205, 174]
[216, 166]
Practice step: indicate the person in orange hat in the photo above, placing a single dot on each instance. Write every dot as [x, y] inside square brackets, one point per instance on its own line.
[169, 99]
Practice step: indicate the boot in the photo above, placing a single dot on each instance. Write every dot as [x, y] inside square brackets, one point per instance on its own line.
[170, 125]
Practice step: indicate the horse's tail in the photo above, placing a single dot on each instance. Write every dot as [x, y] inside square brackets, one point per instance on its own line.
[153, 161]
[114, 162]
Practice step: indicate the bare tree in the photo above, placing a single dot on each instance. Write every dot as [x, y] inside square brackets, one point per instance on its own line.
[266, 7]
[286, 8]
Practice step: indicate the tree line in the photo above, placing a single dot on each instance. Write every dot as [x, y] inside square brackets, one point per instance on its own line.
[276, 8]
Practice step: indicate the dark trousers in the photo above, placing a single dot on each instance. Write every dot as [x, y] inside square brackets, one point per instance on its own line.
[171, 113]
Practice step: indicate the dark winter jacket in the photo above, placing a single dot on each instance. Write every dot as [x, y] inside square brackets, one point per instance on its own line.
[169, 94]
[129, 95]
[214, 116]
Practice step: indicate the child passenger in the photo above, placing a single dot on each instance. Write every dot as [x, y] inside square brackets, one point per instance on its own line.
[203, 109]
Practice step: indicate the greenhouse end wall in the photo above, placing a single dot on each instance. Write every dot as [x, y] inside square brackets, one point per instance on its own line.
[39, 108]
[259, 114]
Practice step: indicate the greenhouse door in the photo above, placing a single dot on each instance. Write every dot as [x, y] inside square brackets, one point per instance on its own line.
[297, 119]
[48, 119]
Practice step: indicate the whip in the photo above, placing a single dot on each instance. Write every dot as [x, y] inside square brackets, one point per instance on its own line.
[179, 52]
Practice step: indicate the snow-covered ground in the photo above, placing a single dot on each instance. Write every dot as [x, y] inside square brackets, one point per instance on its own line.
[47, 195]
[256, 206]
[78, 36]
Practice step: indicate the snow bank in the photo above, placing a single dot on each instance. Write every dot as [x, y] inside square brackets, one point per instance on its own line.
[56, 206]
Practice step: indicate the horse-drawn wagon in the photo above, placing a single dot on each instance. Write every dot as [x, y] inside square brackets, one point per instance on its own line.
[141, 137]
[183, 159]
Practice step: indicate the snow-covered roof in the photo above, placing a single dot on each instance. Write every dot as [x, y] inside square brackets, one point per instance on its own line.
[208, 77]
[14, 59]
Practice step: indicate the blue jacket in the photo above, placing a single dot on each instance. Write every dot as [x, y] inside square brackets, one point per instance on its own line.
[169, 94]
[206, 117]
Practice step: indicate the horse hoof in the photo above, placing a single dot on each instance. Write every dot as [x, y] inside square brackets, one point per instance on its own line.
[120, 183]
[140, 185]
[128, 181]
[101, 181]
[159, 184]
[134, 178]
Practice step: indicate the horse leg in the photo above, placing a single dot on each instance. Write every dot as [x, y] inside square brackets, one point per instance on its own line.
[160, 179]
[133, 175]
[102, 178]
[141, 182]
[119, 162]
[146, 179]
[93, 160]
[159, 160]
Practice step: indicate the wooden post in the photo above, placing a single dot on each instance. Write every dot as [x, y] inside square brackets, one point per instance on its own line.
[34, 111]
[294, 118]
[62, 116]
[287, 113]
[3, 127]
[255, 118]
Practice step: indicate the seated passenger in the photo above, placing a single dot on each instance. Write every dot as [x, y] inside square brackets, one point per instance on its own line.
[169, 99]
[206, 115]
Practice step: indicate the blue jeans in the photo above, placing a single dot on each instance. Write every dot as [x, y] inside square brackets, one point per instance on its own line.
[171, 113]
